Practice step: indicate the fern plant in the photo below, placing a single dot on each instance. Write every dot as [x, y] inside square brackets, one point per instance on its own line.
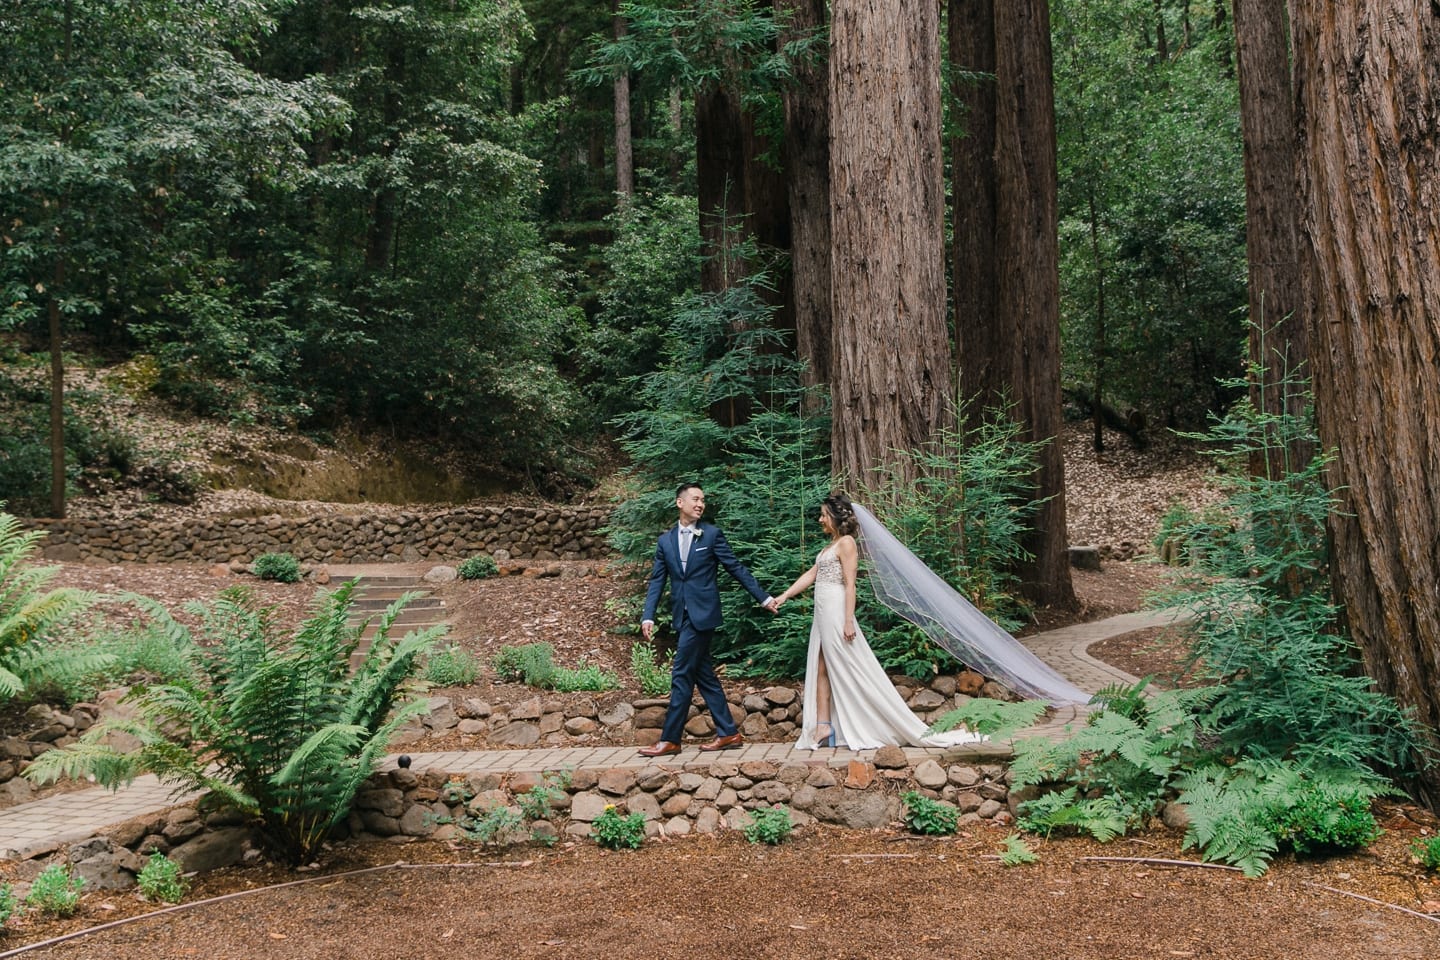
[30, 657]
[284, 731]
[996, 719]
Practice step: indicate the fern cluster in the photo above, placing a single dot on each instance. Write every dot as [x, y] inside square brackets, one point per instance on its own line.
[31, 659]
[282, 731]
[1288, 746]
[654, 678]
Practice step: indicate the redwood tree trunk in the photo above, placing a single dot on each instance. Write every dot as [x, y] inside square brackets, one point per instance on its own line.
[891, 381]
[981, 352]
[624, 152]
[1367, 79]
[807, 146]
[1028, 275]
[1279, 346]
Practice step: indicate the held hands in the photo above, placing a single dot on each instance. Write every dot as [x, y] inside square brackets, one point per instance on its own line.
[773, 604]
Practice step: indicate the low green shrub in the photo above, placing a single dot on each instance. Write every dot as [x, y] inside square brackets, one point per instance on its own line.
[653, 678]
[929, 816]
[277, 566]
[55, 891]
[769, 825]
[454, 666]
[617, 832]
[8, 904]
[477, 567]
[533, 664]
[160, 880]
[1427, 851]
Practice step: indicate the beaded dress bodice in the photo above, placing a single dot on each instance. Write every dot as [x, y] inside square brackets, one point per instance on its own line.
[827, 567]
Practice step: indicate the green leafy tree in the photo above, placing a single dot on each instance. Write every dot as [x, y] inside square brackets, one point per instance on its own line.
[284, 732]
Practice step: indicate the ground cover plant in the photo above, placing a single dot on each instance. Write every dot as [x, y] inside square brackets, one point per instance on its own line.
[282, 730]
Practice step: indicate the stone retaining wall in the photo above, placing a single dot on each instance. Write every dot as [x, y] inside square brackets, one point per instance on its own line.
[675, 800]
[525, 533]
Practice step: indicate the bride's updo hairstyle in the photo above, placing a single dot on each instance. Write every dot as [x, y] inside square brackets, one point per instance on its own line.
[843, 513]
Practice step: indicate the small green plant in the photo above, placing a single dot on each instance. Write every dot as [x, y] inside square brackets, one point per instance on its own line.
[654, 679]
[1427, 851]
[160, 879]
[453, 666]
[1101, 817]
[277, 566]
[993, 718]
[477, 567]
[532, 664]
[496, 823]
[1017, 851]
[536, 803]
[616, 832]
[927, 816]
[55, 891]
[587, 676]
[7, 904]
[772, 825]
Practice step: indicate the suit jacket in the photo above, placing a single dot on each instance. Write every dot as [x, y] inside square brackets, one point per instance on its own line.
[695, 589]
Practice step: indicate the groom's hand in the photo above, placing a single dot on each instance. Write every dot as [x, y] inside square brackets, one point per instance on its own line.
[772, 604]
[646, 628]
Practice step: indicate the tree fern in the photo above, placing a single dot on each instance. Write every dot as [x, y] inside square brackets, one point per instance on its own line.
[29, 615]
[285, 732]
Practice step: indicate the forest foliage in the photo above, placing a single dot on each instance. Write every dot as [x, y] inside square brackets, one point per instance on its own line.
[403, 215]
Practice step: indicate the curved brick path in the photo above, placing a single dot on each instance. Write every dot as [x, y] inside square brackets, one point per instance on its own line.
[33, 829]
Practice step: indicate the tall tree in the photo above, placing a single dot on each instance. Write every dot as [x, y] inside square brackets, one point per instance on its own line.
[807, 150]
[891, 381]
[1279, 346]
[624, 149]
[1367, 80]
[1011, 343]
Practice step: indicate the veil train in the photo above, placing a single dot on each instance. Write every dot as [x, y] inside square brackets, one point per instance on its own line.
[906, 585]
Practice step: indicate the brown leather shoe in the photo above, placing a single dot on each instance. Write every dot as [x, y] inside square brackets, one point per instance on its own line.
[660, 749]
[724, 743]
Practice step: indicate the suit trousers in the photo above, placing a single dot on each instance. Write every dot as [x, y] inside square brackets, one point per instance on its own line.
[693, 668]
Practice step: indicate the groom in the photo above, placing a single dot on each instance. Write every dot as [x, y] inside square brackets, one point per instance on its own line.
[687, 556]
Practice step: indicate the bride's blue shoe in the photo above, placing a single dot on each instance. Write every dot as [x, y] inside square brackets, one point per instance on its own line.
[829, 739]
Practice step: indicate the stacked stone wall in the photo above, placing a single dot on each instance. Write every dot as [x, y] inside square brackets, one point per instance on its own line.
[511, 532]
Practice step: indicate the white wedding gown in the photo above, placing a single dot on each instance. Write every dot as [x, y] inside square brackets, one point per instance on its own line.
[866, 711]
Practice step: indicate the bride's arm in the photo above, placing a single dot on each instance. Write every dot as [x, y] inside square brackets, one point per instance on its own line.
[849, 564]
[801, 584]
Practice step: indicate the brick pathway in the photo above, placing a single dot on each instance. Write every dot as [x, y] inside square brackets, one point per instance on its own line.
[32, 829]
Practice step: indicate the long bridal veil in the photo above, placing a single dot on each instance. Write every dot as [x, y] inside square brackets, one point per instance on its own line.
[904, 584]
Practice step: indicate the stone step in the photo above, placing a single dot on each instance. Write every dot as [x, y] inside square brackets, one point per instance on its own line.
[381, 603]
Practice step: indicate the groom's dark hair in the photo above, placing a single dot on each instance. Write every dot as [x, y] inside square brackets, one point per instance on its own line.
[680, 490]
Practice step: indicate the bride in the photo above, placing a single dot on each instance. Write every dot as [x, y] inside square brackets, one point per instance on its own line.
[849, 699]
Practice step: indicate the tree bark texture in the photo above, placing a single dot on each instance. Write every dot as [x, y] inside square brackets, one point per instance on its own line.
[1028, 275]
[891, 381]
[624, 151]
[807, 146]
[980, 353]
[1367, 81]
[1279, 345]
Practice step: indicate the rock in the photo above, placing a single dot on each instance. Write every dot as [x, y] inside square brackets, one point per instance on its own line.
[944, 685]
[927, 700]
[709, 821]
[890, 758]
[526, 710]
[1085, 557]
[112, 870]
[182, 824]
[585, 807]
[780, 696]
[858, 811]
[645, 805]
[441, 574]
[440, 714]
[580, 726]
[219, 571]
[994, 691]
[1175, 815]
[473, 708]
[213, 849]
[859, 775]
[471, 728]
[617, 781]
[419, 820]
[989, 808]
[516, 735]
[969, 683]
[391, 803]
[930, 775]
[964, 776]
[677, 827]
[618, 714]
[16, 791]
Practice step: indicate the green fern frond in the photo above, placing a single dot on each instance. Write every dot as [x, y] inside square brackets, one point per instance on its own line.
[993, 718]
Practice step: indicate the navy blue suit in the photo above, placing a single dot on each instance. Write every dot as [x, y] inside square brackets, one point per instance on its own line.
[695, 612]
